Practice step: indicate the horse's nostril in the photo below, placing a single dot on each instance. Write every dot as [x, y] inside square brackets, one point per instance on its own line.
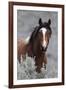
[43, 49]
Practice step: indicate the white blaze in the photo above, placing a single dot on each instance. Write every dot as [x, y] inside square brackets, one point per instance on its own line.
[44, 32]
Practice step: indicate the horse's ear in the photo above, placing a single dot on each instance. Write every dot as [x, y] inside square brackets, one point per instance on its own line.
[49, 21]
[40, 21]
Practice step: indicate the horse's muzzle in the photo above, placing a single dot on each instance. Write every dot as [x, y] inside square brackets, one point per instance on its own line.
[44, 49]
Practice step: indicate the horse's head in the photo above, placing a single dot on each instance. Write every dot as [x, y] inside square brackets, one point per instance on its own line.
[40, 36]
[44, 34]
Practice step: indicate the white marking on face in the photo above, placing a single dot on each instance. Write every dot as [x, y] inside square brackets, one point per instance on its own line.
[44, 32]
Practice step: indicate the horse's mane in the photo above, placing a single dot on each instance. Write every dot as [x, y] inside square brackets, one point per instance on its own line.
[34, 33]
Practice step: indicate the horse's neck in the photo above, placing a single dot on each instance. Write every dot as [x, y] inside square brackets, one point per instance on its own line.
[28, 46]
[29, 50]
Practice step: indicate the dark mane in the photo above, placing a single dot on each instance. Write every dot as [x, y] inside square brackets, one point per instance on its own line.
[34, 33]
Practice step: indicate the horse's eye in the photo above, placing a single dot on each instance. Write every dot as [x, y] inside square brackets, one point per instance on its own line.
[49, 33]
[40, 31]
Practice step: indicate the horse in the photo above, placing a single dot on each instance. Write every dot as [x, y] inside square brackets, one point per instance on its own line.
[37, 44]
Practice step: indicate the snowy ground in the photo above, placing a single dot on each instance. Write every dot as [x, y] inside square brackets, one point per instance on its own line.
[26, 20]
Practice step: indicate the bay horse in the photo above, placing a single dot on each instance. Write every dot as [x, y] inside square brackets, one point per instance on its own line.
[37, 44]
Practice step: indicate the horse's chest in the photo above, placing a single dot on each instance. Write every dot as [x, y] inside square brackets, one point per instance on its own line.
[29, 51]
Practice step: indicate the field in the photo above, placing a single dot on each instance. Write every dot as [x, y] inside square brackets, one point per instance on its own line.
[26, 21]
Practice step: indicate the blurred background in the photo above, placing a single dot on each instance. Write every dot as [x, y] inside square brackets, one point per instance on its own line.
[26, 21]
